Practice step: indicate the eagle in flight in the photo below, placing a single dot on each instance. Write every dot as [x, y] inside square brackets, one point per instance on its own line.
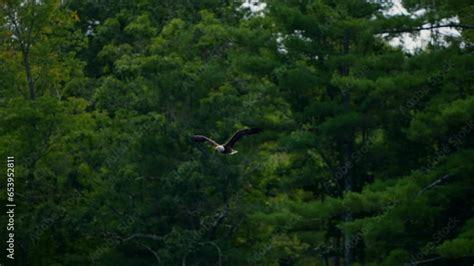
[228, 147]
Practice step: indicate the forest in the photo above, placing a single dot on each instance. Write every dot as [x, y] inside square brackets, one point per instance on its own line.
[366, 155]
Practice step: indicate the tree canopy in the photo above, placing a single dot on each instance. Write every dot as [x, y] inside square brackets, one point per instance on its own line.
[365, 156]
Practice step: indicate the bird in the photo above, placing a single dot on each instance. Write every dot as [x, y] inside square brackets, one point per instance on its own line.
[228, 147]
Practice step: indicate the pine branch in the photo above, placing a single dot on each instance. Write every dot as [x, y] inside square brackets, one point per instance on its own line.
[326, 161]
[431, 27]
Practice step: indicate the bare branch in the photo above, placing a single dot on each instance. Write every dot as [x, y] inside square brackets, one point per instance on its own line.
[436, 182]
[16, 28]
[433, 259]
[213, 228]
[153, 252]
[140, 235]
[217, 248]
[424, 261]
[30, 30]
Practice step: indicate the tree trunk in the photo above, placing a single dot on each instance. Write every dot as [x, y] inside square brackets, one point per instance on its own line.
[347, 152]
[29, 76]
[337, 260]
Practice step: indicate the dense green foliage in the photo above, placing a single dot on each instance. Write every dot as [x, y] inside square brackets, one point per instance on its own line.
[366, 156]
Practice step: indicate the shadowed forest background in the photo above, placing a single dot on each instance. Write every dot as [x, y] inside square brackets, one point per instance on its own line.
[366, 156]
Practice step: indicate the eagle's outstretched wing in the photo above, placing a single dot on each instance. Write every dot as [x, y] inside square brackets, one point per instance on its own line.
[240, 134]
[200, 138]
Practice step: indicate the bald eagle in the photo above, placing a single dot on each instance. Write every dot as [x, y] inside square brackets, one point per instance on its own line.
[228, 147]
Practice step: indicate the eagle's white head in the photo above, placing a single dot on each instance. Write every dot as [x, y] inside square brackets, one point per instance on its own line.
[220, 148]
